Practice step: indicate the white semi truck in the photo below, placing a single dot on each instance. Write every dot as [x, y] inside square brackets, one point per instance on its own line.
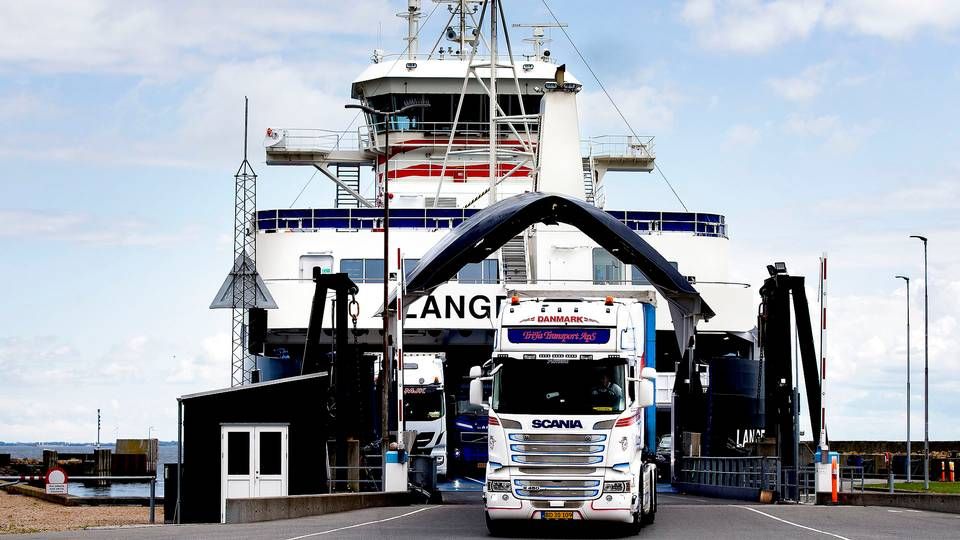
[424, 405]
[566, 413]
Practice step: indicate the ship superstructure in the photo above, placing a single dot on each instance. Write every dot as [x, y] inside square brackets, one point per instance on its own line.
[440, 162]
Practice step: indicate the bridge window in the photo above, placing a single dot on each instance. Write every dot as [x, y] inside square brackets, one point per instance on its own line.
[363, 270]
[607, 269]
[482, 272]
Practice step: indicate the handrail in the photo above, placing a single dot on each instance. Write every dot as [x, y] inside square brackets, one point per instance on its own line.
[308, 219]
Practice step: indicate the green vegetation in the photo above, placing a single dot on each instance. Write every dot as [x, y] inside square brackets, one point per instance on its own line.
[935, 487]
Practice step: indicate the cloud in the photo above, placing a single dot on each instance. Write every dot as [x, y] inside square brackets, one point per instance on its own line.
[647, 108]
[755, 26]
[838, 137]
[801, 87]
[892, 19]
[751, 26]
[52, 388]
[918, 198]
[742, 136]
[81, 228]
[169, 39]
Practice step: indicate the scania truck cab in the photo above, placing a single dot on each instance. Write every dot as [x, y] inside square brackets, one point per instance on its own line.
[424, 405]
[566, 435]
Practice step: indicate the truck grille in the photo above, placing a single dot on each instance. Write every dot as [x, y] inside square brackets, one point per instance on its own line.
[557, 448]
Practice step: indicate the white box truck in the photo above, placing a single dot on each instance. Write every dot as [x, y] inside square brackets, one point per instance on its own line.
[424, 405]
[566, 434]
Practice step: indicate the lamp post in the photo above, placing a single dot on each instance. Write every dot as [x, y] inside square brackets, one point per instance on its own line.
[909, 473]
[385, 364]
[926, 369]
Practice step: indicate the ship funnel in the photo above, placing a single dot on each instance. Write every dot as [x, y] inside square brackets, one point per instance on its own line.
[559, 164]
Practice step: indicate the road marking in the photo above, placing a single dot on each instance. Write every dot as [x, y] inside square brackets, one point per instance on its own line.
[794, 524]
[895, 511]
[338, 529]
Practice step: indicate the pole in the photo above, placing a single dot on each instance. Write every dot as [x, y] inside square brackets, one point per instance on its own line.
[493, 102]
[153, 500]
[926, 374]
[824, 446]
[926, 369]
[386, 363]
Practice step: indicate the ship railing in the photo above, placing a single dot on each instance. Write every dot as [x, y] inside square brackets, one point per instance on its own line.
[308, 219]
[311, 139]
[619, 146]
[412, 133]
[405, 58]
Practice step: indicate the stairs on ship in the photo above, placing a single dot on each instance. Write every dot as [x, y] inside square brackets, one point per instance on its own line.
[514, 256]
[589, 193]
[349, 175]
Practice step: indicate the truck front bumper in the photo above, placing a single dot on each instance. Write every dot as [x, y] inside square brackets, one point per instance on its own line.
[615, 507]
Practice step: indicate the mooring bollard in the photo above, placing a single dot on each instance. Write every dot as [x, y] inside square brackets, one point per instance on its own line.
[890, 480]
[153, 500]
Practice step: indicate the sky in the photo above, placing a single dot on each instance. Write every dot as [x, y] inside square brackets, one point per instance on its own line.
[813, 125]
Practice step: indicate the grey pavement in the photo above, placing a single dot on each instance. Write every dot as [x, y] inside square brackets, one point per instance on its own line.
[679, 516]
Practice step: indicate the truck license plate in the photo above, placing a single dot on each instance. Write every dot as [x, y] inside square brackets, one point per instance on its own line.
[550, 514]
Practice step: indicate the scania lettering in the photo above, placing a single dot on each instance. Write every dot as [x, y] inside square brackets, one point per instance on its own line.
[568, 390]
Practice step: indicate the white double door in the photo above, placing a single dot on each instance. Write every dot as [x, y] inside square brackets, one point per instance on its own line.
[253, 462]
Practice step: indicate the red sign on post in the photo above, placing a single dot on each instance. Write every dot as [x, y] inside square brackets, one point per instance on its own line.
[56, 481]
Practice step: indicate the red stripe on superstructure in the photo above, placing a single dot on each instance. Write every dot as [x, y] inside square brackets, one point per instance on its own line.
[823, 367]
[413, 144]
[824, 268]
[458, 173]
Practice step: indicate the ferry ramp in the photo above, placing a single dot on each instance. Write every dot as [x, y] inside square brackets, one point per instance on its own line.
[679, 516]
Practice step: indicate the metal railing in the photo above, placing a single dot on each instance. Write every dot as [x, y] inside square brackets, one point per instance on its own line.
[735, 472]
[699, 224]
[624, 146]
[799, 484]
[152, 480]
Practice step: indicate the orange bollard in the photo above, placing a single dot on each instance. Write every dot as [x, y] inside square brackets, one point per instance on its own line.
[835, 473]
[951, 472]
[943, 472]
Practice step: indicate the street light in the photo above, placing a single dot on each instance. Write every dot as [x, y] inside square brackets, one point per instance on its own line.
[905, 278]
[926, 369]
[385, 363]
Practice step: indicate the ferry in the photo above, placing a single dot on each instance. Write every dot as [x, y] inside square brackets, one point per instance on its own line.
[451, 154]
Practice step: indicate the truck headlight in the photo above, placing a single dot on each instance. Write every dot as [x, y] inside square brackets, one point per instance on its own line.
[616, 487]
[498, 485]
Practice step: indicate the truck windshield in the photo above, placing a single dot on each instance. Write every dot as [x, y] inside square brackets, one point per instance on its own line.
[574, 387]
[422, 403]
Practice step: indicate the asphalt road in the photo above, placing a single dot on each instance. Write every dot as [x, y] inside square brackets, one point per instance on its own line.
[679, 516]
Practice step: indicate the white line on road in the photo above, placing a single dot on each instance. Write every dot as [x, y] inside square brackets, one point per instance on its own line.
[321, 533]
[794, 524]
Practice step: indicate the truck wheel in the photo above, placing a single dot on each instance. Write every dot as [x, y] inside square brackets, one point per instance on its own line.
[646, 518]
[495, 528]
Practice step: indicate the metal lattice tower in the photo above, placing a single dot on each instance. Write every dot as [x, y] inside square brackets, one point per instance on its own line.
[244, 271]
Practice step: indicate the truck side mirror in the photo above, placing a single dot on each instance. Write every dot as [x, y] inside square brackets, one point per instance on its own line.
[645, 397]
[475, 372]
[476, 391]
